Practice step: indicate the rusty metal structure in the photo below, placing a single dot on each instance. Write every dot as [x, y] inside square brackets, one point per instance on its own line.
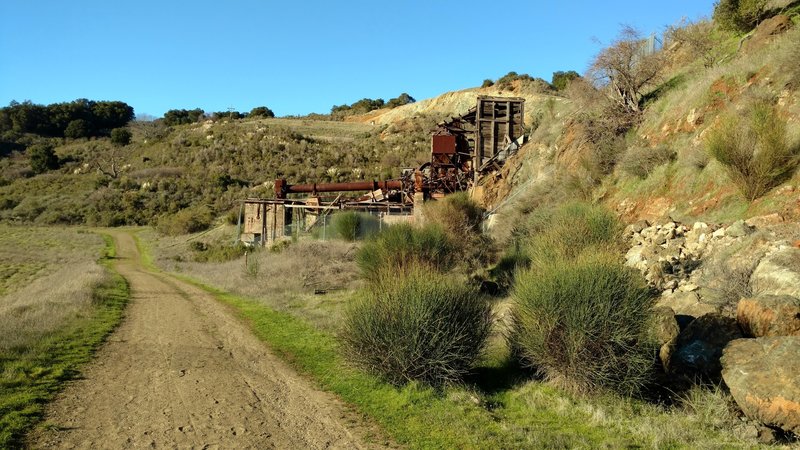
[463, 149]
[466, 147]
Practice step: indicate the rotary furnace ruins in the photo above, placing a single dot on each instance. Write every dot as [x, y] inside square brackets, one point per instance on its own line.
[464, 149]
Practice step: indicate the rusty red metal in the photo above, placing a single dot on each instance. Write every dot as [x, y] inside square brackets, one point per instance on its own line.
[281, 188]
[443, 144]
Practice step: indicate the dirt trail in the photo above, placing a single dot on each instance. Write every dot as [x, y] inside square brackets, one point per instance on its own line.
[180, 371]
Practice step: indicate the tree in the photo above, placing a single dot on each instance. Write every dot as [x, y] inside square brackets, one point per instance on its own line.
[261, 111]
[110, 115]
[76, 129]
[487, 83]
[400, 100]
[625, 70]
[120, 137]
[42, 157]
[183, 116]
[562, 79]
[739, 15]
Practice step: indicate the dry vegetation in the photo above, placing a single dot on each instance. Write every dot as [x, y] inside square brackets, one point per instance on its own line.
[285, 280]
[48, 277]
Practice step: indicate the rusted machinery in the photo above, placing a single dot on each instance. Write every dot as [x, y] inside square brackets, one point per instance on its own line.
[466, 147]
[463, 149]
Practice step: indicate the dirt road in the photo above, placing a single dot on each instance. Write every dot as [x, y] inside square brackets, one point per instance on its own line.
[180, 371]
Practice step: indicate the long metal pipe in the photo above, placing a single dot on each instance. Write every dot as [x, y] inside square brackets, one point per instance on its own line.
[281, 188]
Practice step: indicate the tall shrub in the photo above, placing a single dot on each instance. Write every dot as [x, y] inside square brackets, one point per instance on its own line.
[351, 225]
[400, 248]
[421, 326]
[754, 149]
[571, 229]
[581, 324]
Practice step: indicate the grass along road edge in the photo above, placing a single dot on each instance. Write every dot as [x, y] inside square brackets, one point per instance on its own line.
[416, 415]
[33, 376]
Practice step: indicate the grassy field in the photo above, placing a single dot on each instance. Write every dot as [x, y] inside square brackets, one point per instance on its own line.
[500, 407]
[59, 303]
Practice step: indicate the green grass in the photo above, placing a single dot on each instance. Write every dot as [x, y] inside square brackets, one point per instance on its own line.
[31, 376]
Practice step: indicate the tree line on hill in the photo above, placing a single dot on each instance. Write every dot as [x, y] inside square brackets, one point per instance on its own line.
[76, 119]
[184, 116]
[366, 105]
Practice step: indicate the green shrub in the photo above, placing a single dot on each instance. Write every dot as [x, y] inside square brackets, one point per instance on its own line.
[457, 214]
[399, 248]
[423, 327]
[738, 15]
[121, 137]
[351, 225]
[641, 162]
[754, 149]
[204, 252]
[462, 218]
[561, 79]
[581, 324]
[43, 157]
[189, 220]
[568, 230]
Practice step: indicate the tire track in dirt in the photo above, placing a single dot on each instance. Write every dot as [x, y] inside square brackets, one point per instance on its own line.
[181, 371]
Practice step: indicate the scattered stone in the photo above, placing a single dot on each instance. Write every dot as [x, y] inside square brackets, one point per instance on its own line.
[700, 345]
[769, 315]
[762, 375]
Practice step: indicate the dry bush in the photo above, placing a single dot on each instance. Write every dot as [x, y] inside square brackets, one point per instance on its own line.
[641, 161]
[697, 38]
[754, 148]
[789, 57]
[696, 158]
[624, 70]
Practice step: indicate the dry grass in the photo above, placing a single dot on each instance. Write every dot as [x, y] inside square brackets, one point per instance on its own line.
[46, 279]
[285, 280]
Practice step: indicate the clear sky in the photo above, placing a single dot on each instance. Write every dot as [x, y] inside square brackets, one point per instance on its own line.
[298, 57]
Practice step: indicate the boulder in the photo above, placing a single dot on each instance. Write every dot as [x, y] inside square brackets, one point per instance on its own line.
[686, 304]
[699, 346]
[778, 273]
[764, 221]
[762, 375]
[769, 315]
[664, 331]
[738, 229]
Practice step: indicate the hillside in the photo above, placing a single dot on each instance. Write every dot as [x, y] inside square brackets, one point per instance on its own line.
[628, 278]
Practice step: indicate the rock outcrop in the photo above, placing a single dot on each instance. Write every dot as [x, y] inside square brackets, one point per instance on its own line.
[769, 315]
[778, 273]
[763, 376]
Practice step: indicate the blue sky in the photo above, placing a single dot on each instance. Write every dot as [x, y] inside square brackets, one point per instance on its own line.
[298, 57]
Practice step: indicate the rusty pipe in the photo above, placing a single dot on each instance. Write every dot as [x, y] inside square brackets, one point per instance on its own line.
[281, 188]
